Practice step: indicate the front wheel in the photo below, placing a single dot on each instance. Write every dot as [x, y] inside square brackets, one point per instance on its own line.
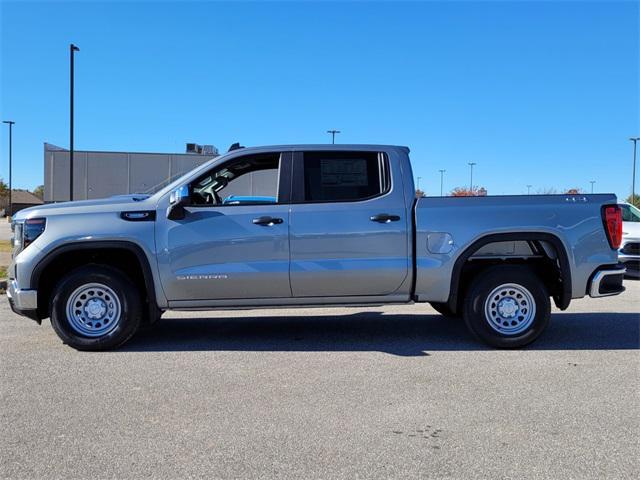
[507, 306]
[95, 308]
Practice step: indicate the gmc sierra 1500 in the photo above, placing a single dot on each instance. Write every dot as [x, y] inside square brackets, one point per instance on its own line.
[310, 225]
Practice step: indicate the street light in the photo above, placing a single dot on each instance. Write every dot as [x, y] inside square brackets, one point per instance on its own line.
[529, 189]
[11, 124]
[471, 164]
[333, 135]
[441, 180]
[633, 179]
[72, 50]
[592, 182]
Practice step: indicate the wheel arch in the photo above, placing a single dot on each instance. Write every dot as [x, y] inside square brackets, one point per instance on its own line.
[562, 299]
[87, 248]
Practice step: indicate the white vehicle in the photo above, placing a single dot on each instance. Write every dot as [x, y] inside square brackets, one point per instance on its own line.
[630, 248]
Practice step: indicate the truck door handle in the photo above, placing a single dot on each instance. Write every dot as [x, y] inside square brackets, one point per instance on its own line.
[384, 218]
[266, 221]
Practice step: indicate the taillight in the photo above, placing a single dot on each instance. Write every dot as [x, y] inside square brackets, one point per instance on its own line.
[612, 217]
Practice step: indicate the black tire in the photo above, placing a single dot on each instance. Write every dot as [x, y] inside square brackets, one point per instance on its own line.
[486, 320]
[443, 309]
[123, 327]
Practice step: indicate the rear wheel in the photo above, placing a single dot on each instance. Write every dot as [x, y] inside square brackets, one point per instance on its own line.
[507, 307]
[95, 308]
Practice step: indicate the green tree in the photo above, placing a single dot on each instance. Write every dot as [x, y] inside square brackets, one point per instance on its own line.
[634, 200]
[39, 192]
[4, 194]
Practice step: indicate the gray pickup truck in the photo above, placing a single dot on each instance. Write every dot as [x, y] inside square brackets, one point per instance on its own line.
[305, 225]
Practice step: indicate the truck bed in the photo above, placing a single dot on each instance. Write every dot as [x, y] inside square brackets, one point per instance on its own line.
[450, 230]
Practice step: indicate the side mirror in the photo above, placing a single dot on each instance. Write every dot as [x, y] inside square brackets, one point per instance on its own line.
[178, 199]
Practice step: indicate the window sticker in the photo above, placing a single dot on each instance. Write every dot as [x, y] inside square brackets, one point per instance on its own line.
[336, 172]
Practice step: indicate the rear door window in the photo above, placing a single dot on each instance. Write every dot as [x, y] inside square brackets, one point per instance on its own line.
[341, 176]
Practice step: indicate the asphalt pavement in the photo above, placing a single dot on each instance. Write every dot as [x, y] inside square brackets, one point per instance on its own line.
[388, 392]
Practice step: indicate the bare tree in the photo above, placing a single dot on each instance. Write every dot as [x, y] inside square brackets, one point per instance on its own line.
[547, 191]
[467, 192]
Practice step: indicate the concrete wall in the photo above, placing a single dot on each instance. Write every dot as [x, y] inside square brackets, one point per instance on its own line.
[104, 174]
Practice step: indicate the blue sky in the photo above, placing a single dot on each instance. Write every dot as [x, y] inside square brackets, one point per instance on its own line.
[540, 93]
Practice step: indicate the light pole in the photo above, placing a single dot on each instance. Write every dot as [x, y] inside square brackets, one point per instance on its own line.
[529, 189]
[419, 182]
[471, 164]
[592, 182]
[11, 124]
[441, 181]
[333, 135]
[633, 179]
[72, 50]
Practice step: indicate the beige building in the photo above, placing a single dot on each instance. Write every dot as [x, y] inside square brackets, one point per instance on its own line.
[99, 174]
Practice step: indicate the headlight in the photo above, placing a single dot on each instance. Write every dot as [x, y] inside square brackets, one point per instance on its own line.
[16, 240]
[31, 230]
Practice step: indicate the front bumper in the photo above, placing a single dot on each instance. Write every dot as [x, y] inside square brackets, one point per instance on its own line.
[607, 281]
[23, 302]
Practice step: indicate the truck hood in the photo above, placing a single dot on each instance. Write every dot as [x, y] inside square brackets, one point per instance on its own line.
[117, 203]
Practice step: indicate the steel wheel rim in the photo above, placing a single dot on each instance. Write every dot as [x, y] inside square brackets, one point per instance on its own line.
[93, 310]
[510, 309]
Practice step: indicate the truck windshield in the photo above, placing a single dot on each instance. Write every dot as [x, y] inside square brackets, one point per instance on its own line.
[161, 185]
[630, 213]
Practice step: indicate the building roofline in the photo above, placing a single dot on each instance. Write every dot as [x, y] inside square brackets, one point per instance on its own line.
[60, 149]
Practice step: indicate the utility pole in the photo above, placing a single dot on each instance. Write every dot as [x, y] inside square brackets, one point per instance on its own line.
[471, 164]
[592, 182]
[441, 181]
[11, 124]
[633, 179]
[529, 189]
[333, 135]
[72, 50]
